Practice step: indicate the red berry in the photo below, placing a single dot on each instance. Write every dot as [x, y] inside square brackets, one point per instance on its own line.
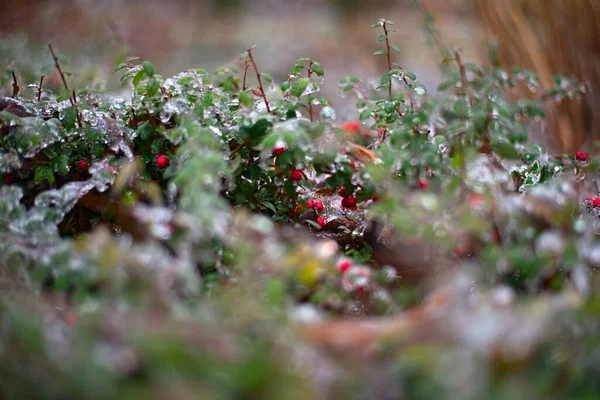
[581, 156]
[458, 251]
[344, 265]
[162, 162]
[83, 165]
[318, 206]
[296, 175]
[321, 221]
[310, 204]
[596, 201]
[349, 202]
[298, 208]
[342, 192]
[351, 126]
[423, 183]
[70, 318]
[277, 151]
[352, 165]
[375, 199]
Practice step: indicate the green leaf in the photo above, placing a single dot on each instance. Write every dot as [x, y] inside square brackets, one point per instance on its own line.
[410, 75]
[379, 52]
[395, 48]
[145, 130]
[385, 79]
[138, 77]
[266, 77]
[300, 86]
[285, 86]
[381, 38]
[153, 87]
[313, 224]
[270, 206]
[505, 150]
[148, 68]
[317, 68]
[70, 118]
[156, 145]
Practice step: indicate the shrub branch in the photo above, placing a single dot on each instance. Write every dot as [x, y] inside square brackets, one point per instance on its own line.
[260, 85]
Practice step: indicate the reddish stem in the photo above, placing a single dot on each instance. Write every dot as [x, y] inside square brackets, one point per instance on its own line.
[260, 85]
[39, 94]
[389, 58]
[62, 76]
[245, 74]
[16, 87]
[310, 107]
[463, 77]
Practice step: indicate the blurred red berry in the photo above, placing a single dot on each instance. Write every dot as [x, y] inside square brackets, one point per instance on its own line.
[351, 126]
[321, 222]
[162, 162]
[298, 208]
[310, 204]
[257, 92]
[349, 202]
[342, 192]
[296, 175]
[596, 201]
[423, 183]
[458, 251]
[70, 318]
[277, 151]
[352, 165]
[318, 206]
[581, 156]
[344, 265]
[83, 165]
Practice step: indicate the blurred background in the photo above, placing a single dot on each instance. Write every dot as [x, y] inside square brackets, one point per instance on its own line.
[548, 36]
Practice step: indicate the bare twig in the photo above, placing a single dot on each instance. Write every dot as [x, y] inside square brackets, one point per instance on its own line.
[310, 107]
[264, 96]
[389, 57]
[246, 66]
[73, 98]
[62, 75]
[74, 102]
[16, 87]
[39, 94]
[463, 77]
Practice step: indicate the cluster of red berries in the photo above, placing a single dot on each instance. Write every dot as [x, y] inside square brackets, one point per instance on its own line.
[594, 201]
[318, 206]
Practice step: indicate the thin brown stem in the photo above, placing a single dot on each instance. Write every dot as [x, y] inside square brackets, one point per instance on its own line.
[77, 109]
[246, 66]
[260, 85]
[39, 94]
[463, 77]
[62, 75]
[389, 58]
[16, 87]
[310, 106]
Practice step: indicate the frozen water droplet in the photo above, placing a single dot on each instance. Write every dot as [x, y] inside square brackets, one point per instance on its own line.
[328, 112]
